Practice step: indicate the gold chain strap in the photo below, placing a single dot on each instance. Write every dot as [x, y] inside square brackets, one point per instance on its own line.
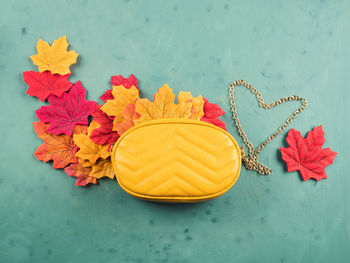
[251, 161]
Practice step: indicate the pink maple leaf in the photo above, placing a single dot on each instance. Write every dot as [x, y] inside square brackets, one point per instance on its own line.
[66, 112]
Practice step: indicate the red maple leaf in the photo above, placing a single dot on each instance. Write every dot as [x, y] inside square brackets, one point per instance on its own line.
[212, 112]
[66, 112]
[120, 80]
[41, 85]
[306, 155]
[104, 134]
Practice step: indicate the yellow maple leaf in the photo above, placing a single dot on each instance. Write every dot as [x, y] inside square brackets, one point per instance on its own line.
[85, 163]
[197, 104]
[122, 98]
[162, 107]
[89, 150]
[102, 168]
[54, 58]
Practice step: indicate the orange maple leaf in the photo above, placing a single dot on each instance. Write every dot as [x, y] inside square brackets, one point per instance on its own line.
[163, 107]
[81, 173]
[59, 148]
[129, 115]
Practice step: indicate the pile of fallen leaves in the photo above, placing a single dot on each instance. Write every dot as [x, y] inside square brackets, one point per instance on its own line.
[83, 148]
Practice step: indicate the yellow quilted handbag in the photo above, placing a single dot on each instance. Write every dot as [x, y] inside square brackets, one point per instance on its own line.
[176, 160]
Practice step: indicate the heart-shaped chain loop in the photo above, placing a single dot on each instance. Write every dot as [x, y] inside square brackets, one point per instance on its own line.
[250, 161]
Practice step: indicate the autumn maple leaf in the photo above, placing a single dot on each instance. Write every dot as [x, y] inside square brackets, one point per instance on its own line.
[66, 112]
[102, 168]
[59, 148]
[54, 58]
[162, 107]
[122, 98]
[212, 112]
[129, 116]
[306, 155]
[82, 174]
[89, 150]
[86, 175]
[93, 126]
[103, 134]
[41, 85]
[94, 160]
[197, 104]
[117, 81]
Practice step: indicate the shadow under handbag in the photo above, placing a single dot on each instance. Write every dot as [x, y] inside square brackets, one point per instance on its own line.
[184, 160]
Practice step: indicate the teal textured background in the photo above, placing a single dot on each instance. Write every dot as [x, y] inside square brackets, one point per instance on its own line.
[280, 47]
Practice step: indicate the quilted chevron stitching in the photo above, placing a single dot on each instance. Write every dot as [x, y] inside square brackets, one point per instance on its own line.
[150, 156]
[144, 147]
[188, 158]
[194, 172]
[183, 148]
[175, 177]
[197, 140]
[162, 164]
[178, 136]
[147, 174]
[179, 176]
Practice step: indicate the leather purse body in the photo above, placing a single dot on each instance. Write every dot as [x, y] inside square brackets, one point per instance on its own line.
[176, 160]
